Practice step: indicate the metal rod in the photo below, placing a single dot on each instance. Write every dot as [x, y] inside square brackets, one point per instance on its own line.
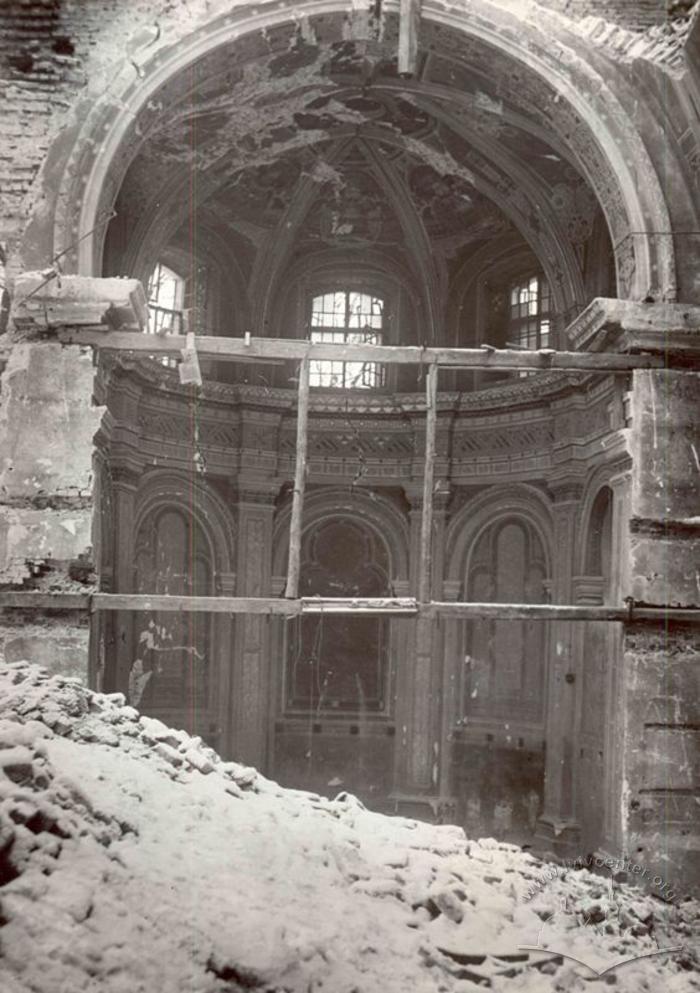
[426, 530]
[262, 349]
[295, 526]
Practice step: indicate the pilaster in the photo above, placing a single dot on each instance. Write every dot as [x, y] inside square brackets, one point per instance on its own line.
[118, 627]
[249, 729]
[557, 830]
[419, 691]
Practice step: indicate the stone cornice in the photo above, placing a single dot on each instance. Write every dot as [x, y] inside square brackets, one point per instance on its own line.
[162, 382]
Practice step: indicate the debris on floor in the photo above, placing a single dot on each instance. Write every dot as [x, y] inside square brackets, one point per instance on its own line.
[132, 858]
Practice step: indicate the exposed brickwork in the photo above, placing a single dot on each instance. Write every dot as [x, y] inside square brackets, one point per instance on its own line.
[42, 55]
[637, 15]
[50, 54]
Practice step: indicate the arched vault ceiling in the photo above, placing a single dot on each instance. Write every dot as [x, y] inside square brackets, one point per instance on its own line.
[474, 144]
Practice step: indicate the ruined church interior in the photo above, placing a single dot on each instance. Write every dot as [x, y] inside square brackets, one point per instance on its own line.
[200, 193]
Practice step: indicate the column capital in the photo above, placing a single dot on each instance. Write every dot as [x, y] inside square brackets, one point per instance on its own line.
[566, 491]
[451, 589]
[588, 589]
[259, 492]
[226, 582]
[442, 493]
[124, 475]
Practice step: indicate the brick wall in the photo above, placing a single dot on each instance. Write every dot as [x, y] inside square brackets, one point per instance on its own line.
[53, 53]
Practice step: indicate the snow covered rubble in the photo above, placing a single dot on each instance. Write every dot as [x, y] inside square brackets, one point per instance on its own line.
[134, 859]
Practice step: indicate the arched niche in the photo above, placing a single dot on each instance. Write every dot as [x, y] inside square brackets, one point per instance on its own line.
[182, 543]
[590, 118]
[340, 663]
[599, 535]
[501, 553]
[353, 544]
[505, 661]
[597, 648]
[172, 669]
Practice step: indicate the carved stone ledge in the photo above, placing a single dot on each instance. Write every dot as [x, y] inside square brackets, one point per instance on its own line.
[628, 325]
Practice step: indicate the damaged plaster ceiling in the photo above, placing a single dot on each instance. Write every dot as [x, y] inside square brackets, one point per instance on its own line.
[298, 138]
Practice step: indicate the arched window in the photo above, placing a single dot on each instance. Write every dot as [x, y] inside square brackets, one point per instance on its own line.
[347, 317]
[529, 321]
[338, 663]
[172, 650]
[505, 659]
[166, 301]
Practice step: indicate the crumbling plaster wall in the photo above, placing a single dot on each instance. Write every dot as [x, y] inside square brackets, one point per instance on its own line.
[659, 731]
[47, 424]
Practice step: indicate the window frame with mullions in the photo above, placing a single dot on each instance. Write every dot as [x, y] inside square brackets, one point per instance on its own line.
[332, 324]
[529, 320]
[166, 320]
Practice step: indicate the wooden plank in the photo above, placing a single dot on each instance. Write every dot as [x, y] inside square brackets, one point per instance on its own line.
[194, 604]
[264, 349]
[426, 530]
[295, 526]
[409, 25]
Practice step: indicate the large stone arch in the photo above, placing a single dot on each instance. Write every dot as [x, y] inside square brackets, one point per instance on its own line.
[90, 157]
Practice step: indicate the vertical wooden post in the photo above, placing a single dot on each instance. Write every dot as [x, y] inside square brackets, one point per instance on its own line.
[426, 534]
[292, 589]
[409, 21]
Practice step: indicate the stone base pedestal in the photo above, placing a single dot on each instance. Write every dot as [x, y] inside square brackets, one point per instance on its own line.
[420, 808]
[558, 840]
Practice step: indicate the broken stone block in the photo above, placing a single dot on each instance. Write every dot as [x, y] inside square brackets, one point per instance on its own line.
[199, 761]
[45, 300]
[448, 903]
[168, 753]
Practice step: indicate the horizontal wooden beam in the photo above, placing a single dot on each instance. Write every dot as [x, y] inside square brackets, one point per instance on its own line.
[264, 349]
[195, 604]
[32, 600]
[395, 606]
[558, 612]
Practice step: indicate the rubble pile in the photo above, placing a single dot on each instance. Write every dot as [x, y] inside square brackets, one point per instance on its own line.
[132, 858]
